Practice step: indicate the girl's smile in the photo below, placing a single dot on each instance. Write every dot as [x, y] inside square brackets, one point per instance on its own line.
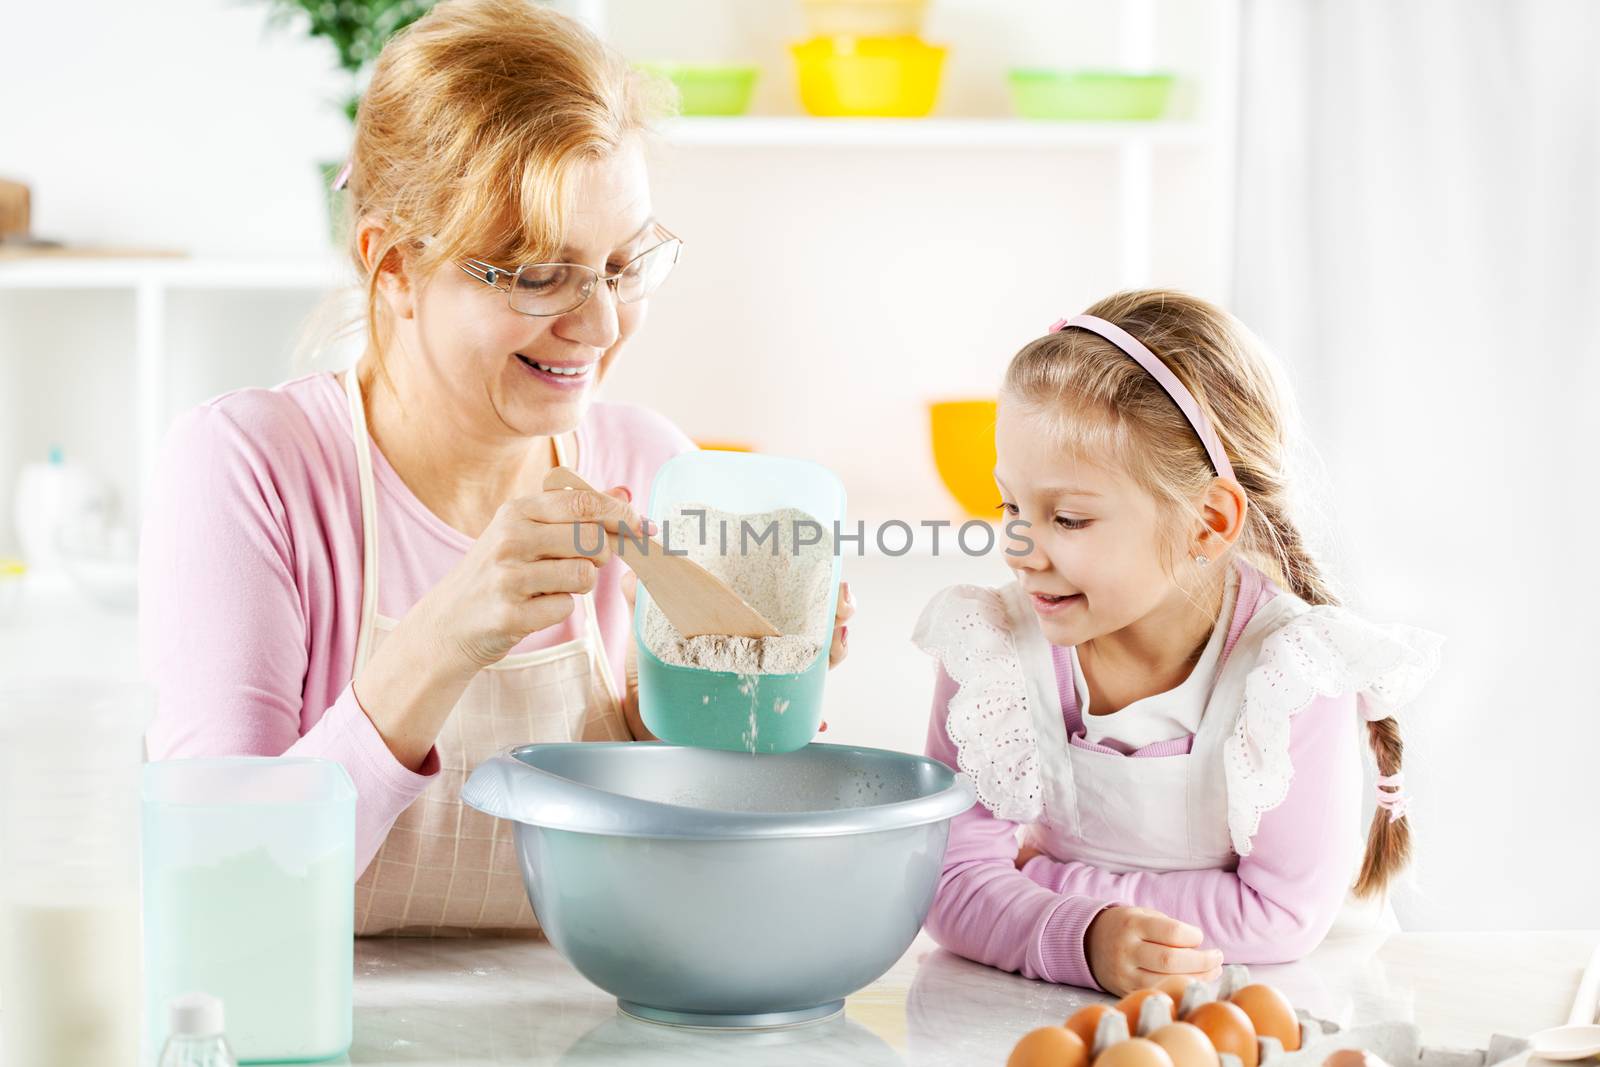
[1047, 605]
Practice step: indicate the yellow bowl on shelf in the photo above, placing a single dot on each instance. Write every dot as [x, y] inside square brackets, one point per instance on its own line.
[887, 77]
[723, 446]
[865, 18]
[963, 452]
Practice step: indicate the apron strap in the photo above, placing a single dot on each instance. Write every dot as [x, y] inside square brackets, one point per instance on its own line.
[369, 520]
[369, 542]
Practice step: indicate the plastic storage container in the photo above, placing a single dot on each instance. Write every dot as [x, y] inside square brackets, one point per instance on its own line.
[708, 89]
[891, 77]
[1090, 94]
[70, 755]
[249, 895]
[717, 709]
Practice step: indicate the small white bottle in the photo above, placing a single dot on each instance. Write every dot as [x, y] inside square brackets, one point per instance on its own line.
[195, 1033]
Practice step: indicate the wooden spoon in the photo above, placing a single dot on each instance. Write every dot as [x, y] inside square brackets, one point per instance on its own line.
[693, 599]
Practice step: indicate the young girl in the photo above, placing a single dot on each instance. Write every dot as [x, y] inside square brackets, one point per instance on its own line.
[1168, 700]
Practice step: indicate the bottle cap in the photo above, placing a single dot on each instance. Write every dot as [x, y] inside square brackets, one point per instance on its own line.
[195, 1015]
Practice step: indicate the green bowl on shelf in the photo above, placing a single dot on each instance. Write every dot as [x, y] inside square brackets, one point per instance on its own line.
[1104, 95]
[708, 88]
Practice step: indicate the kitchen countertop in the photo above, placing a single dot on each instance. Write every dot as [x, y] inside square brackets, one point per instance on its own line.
[437, 1003]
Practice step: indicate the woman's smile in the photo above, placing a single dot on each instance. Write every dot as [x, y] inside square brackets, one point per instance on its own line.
[571, 375]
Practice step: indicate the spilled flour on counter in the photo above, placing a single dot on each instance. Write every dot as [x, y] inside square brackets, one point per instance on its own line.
[756, 555]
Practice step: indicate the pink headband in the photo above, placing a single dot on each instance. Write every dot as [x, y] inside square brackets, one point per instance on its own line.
[1164, 377]
[1392, 796]
[343, 178]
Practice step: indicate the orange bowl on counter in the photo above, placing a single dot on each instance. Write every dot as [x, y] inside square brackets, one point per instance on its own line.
[887, 77]
[963, 452]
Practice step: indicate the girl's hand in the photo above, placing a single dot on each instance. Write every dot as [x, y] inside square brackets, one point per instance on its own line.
[1026, 853]
[1134, 948]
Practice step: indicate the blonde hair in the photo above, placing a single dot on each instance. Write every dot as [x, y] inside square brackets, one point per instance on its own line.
[475, 119]
[1104, 405]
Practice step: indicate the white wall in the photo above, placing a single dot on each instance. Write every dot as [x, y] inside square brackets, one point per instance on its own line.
[827, 293]
[1419, 236]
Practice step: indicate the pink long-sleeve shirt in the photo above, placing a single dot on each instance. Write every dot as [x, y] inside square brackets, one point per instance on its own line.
[1276, 906]
[250, 580]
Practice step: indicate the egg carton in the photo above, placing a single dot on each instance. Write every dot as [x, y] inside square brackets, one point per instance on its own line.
[1396, 1043]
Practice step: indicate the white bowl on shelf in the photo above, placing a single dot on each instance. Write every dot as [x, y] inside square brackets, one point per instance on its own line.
[11, 573]
[109, 581]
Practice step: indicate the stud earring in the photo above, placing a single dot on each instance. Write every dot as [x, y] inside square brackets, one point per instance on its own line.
[1202, 560]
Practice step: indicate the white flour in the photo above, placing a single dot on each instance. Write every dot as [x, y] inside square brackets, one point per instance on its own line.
[791, 590]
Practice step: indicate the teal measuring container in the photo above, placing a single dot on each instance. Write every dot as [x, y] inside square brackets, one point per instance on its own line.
[249, 895]
[719, 709]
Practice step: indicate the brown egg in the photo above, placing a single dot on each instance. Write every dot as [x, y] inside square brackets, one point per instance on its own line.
[1134, 1052]
[1085, 1021]
[1187, 1045]
[1229, 1029]
[1049, 1046]
[1133, 1003]
[1353, 1057]
[1175, 986]
[1270, 1013]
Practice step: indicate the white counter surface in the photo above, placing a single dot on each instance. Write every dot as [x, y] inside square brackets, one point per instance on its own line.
[440, 1003]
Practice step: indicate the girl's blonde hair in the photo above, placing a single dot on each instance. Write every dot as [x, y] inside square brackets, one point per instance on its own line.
[1104, 406]
[475, 119]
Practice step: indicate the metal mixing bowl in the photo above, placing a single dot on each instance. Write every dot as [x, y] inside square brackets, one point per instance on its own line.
[722, 889]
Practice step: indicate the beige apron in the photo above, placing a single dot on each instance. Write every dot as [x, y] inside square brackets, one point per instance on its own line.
[445, 870]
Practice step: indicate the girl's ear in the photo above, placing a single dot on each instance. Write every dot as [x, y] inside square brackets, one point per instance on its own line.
[395, 283]
[1223, 511]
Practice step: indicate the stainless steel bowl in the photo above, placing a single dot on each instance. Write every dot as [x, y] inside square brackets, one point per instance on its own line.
[721, 889]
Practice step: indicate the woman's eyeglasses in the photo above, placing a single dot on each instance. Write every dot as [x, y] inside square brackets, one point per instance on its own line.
[546, 289]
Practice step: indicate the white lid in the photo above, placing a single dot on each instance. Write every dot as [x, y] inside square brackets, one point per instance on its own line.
[195, 1015]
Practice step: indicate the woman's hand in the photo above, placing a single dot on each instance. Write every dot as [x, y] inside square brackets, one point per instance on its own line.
[1134, 948]
[519, 577]
[630, 670]
[845, 611]
[1026, 853]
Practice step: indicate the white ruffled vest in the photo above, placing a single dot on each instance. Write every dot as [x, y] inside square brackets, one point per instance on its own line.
[1178, 812]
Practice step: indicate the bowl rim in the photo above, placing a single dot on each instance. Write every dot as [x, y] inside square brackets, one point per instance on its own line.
[674, 69]
[510, 787]
[1062, 74]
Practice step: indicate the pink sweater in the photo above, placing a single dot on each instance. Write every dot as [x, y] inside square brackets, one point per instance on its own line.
[250, 580]
[1276, 906]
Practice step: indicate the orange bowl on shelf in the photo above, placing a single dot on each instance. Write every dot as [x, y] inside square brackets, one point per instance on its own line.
[963, 452]
[888, 77]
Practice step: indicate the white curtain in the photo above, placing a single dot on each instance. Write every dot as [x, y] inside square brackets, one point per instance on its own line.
[1419, 220]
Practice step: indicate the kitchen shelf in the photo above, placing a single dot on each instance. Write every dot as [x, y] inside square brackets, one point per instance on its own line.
[216, 274]
[166, 312]
[803, 132]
